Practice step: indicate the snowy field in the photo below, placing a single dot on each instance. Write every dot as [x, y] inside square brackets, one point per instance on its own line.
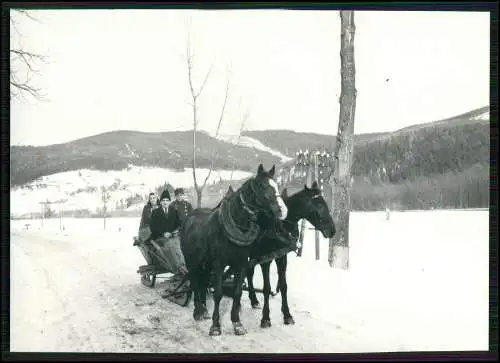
[81, 189]
[417, 282]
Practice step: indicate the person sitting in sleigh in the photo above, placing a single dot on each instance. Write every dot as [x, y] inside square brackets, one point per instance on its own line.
[164, 222]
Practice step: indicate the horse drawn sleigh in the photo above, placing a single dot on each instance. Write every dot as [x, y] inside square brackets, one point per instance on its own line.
[178, 290]
[252, 225]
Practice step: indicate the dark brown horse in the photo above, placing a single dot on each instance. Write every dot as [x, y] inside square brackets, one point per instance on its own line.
[214, 239]
[308, 204]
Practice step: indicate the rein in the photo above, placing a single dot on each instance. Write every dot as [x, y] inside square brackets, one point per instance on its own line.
[246, 206]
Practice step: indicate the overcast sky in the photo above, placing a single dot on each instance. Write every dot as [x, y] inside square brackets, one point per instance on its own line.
[125, 69]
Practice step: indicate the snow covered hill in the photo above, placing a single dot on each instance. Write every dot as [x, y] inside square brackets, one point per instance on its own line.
[82, 189]
[484, 116]
[250, 142]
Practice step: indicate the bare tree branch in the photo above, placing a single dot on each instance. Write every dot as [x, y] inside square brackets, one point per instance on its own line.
[27, 14]
[28, 59]
[205, 80]
[195, 94]
[221, 117]
[189, 64]
[14, 26]
[26, 88]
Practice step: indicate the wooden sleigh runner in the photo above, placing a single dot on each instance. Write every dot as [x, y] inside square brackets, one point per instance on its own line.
[176, 289]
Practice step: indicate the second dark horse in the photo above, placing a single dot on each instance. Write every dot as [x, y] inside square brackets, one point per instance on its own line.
[309, 204]
[214, 239]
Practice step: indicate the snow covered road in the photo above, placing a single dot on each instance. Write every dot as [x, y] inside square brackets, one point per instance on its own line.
[78, 291]
[77, 295]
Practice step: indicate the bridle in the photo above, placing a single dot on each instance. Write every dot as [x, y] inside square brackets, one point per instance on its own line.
[253, 209]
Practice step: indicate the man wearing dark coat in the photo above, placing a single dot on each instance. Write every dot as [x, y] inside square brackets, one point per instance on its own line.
[164, 221]
[162, 225]
[181, 205]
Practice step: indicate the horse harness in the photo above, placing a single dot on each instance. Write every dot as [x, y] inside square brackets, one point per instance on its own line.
[231, 228]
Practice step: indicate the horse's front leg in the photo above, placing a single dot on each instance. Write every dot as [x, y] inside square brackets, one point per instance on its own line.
[281, 264]
[239, 277]
[251, 290]
[194, 282]
[204, 284]
[215, 328]
[266, 320]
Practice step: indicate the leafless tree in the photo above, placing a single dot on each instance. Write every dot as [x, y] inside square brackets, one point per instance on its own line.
[195, 95]
[341, 176]
[23, 63]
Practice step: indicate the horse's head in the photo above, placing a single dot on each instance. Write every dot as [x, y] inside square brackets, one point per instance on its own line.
[265, 196]
[315, 210]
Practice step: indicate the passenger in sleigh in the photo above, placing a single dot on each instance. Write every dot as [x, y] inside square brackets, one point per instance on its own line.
[181, 205]
[145, 224]
[164, 222]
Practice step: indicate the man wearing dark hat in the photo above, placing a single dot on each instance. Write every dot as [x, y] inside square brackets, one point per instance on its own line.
[181, 205]
[161, 225]
[164, 221]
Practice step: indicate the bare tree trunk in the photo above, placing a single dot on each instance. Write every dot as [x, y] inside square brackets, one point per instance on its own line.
[341, 181]
[199, 195]
[196, 187]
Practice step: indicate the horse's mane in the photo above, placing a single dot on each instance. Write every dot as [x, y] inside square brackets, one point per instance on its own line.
[229, 192]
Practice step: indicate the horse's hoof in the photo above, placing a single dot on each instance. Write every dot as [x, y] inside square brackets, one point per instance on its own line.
[197, 317]
[214, 331]
[256, 305]
[265, 323]
[201, 313]
[289, 321]
[239, 329]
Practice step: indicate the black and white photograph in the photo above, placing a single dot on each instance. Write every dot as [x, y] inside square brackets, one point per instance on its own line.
[249, 180]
